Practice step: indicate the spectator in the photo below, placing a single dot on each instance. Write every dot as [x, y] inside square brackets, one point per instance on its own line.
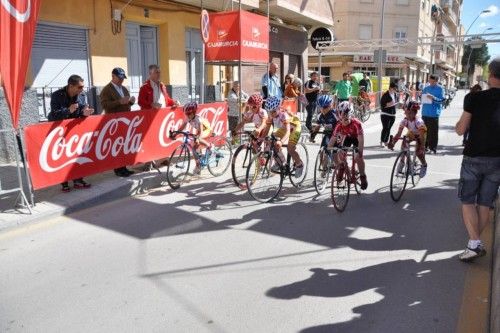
[271, 83]
[343, 88]
[236, 96]
[366, 82]
[388, 103]
[293, 90]
[312, 89]
[480, 172]
[116, 98]
[288, 81]
[432, 97]
[66, 103]
[152, 90]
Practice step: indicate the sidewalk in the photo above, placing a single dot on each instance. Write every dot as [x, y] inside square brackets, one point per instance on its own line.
[51, 202]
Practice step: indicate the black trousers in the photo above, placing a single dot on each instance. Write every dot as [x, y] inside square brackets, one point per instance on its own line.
[387, 122]
[310, 108]
[432, 124]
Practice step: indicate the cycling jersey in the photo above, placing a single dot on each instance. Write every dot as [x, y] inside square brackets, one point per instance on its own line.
[328, 120]
[351, 130]
[255, 118]
[415, 126]
[281, 120]
[201, 124]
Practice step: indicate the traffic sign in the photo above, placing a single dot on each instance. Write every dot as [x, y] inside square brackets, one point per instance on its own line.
[321, 34]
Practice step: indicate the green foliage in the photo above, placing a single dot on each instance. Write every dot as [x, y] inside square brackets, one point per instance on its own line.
[479, 56]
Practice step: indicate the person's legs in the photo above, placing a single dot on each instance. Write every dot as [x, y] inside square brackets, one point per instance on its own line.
[387, 122]
[310, 108]
[432, 125]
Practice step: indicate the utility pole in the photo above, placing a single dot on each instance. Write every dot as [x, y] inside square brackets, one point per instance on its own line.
[380, 49]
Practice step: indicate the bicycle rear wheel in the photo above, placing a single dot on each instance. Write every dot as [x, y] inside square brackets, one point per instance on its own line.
[241, 159]
[178, 166]
[262, 183]
[220, 157]
[322, 171]
[340, 187]
[304, 156]
[399, 176]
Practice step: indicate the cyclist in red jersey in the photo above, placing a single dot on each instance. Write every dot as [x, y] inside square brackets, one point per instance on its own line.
[347, 133]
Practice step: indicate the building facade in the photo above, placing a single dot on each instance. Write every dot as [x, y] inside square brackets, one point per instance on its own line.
[359, 20]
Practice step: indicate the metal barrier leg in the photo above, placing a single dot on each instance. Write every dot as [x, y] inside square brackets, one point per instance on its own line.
[26, 168]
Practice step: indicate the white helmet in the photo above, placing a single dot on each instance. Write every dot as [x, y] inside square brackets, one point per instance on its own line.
[345, 108]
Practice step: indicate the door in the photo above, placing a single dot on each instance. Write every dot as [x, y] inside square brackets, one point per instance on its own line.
[142, 51]
[194, 64]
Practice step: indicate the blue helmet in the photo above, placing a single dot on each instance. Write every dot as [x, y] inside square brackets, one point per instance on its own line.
[272, 103]
[325, 101]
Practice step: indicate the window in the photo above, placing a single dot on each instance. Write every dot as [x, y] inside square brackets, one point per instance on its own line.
[402, 2]
[365, 31]
[400, 33]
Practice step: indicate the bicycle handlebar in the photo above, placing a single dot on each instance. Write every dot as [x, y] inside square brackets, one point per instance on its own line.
[173, 134]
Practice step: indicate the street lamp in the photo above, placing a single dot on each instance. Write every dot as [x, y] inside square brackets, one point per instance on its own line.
[484, 11]
[470, 53]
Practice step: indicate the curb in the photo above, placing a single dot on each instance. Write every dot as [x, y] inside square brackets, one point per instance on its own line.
[495, 274]
[104, 192]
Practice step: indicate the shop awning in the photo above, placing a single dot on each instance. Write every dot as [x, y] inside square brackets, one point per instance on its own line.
[326, 64]
[372, 64]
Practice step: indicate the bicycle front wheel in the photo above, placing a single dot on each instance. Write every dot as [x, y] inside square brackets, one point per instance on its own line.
[262, 183]
[304, 156]
[399, 176]
[220, 157]
[241, 159]
[340, 187]
[322, 171]
[178, 166]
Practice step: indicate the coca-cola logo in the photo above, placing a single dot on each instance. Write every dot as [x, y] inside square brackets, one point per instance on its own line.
[58, 152]
[214, 114]
[19, 15]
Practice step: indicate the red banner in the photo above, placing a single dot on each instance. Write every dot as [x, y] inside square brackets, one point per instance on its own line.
[237, 35]
[17, 30]
[80, 147]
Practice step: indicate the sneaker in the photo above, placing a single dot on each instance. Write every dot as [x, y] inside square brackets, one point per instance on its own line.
[79, 184]
[382, 145]
[470, 254]
[364, 182]
[276, 168]
[298, 171]
[65, 188]
[197, 170]
[423, 171]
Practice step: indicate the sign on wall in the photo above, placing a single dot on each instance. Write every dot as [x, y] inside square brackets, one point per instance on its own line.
[321, 34]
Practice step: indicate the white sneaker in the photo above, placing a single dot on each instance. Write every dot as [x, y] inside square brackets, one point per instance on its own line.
[470, 254]
[298, 171]
[197, 170]
[423, 171]
[382, 145]
[276, 168]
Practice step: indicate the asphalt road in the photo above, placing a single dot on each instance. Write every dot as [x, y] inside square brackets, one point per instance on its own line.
[207, 258]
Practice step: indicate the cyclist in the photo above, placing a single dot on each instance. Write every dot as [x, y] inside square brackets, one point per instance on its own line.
[417, 131]
[349, 132]
[327, 118]
[363, 98]
[201, 128]
[256, 115]
[287, 129]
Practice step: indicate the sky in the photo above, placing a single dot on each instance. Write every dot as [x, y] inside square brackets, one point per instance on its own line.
[470, 10]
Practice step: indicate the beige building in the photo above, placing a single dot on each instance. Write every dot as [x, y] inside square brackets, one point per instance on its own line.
[403, 19]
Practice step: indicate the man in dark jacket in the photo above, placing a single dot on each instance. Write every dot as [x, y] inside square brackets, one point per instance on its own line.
[67, 103]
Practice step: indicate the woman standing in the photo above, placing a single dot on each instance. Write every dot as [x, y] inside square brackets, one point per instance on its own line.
[237, 100]
[388, 103]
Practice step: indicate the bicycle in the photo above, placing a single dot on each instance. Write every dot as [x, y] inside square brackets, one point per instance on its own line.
[343, 176]
[361, 112]
[263, 182]
[323, 168]
[406, 164]
[242, 157]
[217, 159]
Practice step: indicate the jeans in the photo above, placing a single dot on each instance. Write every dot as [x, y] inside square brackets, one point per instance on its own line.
[432, 124]
[479, 180]
[387, 122]
[311, 109]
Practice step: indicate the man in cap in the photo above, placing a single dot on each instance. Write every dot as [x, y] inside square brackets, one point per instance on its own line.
[116, 98]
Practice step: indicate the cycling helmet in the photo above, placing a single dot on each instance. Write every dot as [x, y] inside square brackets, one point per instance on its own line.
[272, 103]
[190, 108]
[345, 109]
[325, 101]
[413, 106]
[255, 100]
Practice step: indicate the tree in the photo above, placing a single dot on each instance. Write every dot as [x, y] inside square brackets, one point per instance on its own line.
[479, 56]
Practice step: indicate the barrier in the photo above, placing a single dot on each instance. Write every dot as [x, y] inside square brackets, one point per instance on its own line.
[76, 148]
[19, 189]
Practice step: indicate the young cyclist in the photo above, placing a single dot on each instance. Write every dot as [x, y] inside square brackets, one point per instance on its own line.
[200, 127]
[287, 128]
[349, 132]
[416, 132]
[256, 115]
[326, 119]
[363, 99]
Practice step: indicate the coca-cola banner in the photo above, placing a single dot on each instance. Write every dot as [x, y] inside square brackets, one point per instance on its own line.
[70, 149]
